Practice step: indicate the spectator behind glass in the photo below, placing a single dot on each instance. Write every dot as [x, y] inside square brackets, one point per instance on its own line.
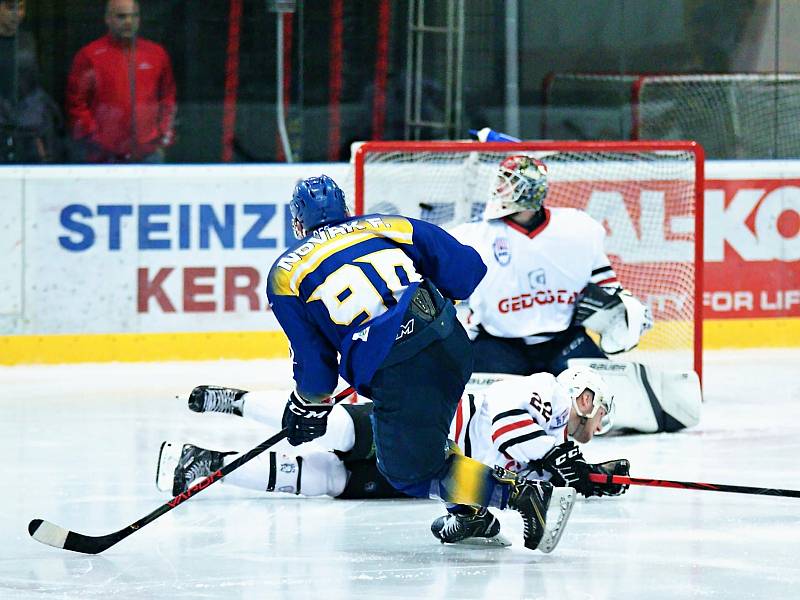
[121, 93]
[29, 119]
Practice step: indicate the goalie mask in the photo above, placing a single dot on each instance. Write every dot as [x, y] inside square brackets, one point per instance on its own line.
[521, 184]
[575, 381]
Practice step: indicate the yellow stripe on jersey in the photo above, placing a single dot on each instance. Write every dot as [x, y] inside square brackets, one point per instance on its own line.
[401, 229]
[313, 260]
[294, 266]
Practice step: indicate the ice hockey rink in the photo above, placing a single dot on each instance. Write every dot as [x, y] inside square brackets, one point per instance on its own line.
[79, 445]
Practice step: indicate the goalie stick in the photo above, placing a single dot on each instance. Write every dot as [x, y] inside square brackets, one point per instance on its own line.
[59, 537]
[692, 485]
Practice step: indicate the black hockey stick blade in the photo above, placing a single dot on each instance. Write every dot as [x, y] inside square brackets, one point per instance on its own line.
[693, 485]
[58, 537]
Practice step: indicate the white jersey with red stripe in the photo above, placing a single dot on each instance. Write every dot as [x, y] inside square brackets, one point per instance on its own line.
[512, 421]
[534, 278]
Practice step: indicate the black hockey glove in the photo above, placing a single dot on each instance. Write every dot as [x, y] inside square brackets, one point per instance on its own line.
[611, 467]
[567, 467]
[304, 420]
[594, 299]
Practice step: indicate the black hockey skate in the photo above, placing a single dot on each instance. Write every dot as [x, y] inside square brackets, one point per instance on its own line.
[545, 509]
[183, 470]
[469, 525]
[214, 398]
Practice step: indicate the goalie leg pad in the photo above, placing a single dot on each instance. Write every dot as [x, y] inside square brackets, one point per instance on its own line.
[647, 399]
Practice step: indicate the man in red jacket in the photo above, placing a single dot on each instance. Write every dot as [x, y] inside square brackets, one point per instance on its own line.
[121, 93]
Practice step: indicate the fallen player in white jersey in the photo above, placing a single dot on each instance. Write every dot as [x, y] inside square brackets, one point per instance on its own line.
[522, 424]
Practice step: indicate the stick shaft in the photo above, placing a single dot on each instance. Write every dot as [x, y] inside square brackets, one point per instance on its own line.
[692, 485]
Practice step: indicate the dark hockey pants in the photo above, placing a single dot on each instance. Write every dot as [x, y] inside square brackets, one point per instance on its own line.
[512, 355]
[414, 403]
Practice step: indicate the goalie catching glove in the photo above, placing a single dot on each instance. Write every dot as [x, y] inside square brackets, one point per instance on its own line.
[616, 315]
[305, 420]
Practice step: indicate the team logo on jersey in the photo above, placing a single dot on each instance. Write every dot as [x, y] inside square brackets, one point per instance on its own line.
[405, 329]
[560, 420]
[502, 251]
[537, 278]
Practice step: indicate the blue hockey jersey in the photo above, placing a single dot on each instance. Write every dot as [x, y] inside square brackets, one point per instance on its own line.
[345, 288]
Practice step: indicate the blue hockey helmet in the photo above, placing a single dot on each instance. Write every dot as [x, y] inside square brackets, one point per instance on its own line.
[316, 201]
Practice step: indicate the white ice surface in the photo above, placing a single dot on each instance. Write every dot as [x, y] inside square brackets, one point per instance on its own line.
[79, 447]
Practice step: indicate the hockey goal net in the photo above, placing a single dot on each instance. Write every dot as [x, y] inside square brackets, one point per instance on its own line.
[646, 194]
[745, 115]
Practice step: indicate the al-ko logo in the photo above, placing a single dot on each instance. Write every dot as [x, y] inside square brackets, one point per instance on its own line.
[173, 231]
[759, 220]
[648, 223]
[645, 221]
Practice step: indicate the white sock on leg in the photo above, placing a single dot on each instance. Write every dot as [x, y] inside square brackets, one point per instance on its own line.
[315, 473]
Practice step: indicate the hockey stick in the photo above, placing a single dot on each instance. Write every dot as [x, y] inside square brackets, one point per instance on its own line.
[58, 537]
[692, 485]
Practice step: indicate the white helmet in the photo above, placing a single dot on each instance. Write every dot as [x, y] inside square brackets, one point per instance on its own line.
[521, 184]
[576, 380]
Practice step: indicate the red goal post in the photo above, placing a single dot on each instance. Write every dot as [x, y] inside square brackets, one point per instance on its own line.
[648, 195]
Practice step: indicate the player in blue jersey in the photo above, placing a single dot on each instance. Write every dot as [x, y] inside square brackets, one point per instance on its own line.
[368, 298]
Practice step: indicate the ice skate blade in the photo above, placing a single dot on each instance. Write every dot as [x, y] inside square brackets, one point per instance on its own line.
[168, 457]
[497, 541]
[558, 512]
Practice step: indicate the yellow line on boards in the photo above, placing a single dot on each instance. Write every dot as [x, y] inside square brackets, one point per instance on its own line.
[141, 347]
[751, 333]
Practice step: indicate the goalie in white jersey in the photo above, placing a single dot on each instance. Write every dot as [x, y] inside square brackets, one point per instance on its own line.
[548, 278]
[521, 424]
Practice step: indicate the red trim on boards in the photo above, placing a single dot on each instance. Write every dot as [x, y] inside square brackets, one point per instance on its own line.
[231, 79]
[335, 81]
[381, 70]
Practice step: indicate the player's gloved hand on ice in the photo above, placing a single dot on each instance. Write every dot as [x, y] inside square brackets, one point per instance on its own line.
[612, 467]
[567, 467]
[305, 420]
